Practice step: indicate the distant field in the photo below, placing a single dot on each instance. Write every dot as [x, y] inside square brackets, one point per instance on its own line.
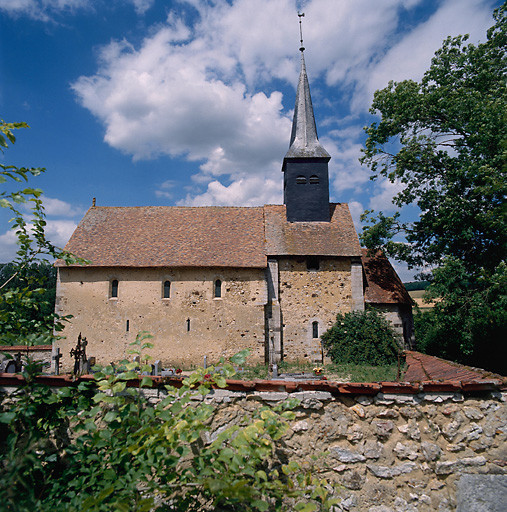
[417, 297]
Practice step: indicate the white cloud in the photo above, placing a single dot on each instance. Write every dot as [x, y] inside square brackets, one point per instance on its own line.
[252, 191]
[57, 208]
[356, 209]
[191, 88]
[47, 10]
[42, 10]
[384, 191]
[56, 231]
[412, 55]
[141, 6]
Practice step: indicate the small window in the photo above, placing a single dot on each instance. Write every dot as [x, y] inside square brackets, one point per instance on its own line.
[301, 180]
[167, 290]
[312, 263]
[128, 326]
[218, 289]
[314, 180]
[114, 288]
[315, 330]
[188, 324]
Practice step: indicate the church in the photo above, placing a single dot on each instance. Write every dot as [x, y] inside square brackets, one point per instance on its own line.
[211, 281]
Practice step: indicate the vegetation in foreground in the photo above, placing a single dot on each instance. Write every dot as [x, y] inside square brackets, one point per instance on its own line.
[102, 447]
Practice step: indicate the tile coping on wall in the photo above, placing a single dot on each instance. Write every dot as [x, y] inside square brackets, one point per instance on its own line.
[424, 374]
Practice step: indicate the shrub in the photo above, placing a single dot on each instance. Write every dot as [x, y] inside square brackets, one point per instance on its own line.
[362, 337]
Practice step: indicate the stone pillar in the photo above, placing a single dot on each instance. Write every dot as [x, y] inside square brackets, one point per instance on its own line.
[356, 276]
[273, 315]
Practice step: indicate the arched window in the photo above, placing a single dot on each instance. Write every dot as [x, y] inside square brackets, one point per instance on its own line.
[114, 288]
[314, 179]
[315, 330]
[167, 290]
[218, 289]
[301, 180]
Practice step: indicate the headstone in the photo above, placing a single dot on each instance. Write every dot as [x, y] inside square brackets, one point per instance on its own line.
[275, 371]
[56, 361]
[205, 362]
[156, 367]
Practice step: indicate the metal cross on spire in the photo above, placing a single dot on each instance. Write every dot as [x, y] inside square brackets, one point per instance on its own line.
[301, 15]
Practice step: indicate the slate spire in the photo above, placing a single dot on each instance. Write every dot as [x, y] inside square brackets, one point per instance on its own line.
[304, 141]
[305, 166]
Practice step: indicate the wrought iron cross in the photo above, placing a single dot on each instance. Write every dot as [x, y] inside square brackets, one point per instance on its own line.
[301, 15]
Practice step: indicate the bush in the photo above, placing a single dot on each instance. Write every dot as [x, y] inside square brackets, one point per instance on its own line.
[362, 337]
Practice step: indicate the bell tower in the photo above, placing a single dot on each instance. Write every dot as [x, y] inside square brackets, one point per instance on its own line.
[305, 166]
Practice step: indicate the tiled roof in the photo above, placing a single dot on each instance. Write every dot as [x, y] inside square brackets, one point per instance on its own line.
[383, 286]
[210, 236]
[335, 238]
[423, 367]
[155, 236]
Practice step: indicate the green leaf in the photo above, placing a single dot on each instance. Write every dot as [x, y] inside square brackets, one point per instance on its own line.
[240, 357]
[146, 382]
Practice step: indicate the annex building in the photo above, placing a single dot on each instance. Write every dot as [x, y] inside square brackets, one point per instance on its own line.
[210, 281]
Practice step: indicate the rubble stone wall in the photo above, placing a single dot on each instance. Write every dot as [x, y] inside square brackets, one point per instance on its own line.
[308, 296]
[387, 453]
[189, 325]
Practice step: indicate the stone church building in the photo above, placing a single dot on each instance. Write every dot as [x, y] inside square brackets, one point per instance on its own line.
[210, 281]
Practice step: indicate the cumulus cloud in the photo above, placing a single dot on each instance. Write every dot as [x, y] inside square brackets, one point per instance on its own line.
[253, 191]
[411, 56]
[192, 88]
[42, 10]
[356, 209]
[57, 208]
[383, 194]
[48, 10]
[57, 231]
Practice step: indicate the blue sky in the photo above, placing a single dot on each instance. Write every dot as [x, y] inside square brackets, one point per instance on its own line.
[189, 102]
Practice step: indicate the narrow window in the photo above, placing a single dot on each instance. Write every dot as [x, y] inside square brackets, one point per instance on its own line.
[314, 179]
[188, 324]
[315, 330]
[301, 180]
[128, 326]
[167, 289]
[312, 263]
[114, 288]
[218, 289]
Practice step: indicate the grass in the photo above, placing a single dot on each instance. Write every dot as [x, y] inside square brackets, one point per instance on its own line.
[335, 372]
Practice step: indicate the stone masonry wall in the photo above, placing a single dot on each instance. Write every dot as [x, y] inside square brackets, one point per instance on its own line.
[386, 453]
[218, 326]
[307, 296]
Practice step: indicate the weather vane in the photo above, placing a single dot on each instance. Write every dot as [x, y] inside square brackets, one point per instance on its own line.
[301, 15]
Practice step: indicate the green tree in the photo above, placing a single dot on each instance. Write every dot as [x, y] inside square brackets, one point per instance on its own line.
[24, 314]
[445, 140]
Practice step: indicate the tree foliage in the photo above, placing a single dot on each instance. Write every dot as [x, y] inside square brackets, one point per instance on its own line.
[104, 447]
[362, 337]
[445, 140]
[24, 313]
[27, 304]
